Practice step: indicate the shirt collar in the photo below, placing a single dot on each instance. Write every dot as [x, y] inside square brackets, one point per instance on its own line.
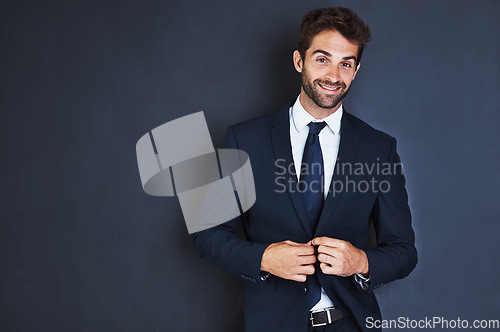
[301, 117]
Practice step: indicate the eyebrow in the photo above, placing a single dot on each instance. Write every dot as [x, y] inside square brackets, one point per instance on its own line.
[322, 52]
[352, 57]
[346, 58]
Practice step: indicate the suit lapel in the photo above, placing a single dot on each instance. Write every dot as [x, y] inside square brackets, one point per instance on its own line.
[280, 137]
[347, 154]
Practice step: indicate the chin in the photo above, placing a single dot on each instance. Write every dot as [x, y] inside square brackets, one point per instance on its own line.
[328, 105]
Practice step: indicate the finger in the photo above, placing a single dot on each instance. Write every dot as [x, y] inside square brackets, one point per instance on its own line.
[326, 259]
[330, 260]
[327, 241]
[330, 242]
[328, 269]
[307, 260]
[305, 269]
[298, 277]
[305, 251]
[335, 243]
[332, 251]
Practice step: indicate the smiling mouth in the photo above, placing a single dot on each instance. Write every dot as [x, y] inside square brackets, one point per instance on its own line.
[329, 88]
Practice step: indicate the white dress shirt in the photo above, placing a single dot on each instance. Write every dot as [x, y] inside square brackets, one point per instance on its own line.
[329, 139]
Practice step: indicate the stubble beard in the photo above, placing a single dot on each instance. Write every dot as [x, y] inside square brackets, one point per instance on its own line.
[312, 90]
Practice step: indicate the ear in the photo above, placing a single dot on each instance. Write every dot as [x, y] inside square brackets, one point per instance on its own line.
[297, 61]
[357, 68]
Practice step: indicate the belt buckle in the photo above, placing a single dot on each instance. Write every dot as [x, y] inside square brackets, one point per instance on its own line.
[328, 315]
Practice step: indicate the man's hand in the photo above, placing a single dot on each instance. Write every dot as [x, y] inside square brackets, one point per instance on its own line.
[289, 260]
[340, 258]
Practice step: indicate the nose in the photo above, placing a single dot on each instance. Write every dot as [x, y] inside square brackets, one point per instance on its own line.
[333, 73]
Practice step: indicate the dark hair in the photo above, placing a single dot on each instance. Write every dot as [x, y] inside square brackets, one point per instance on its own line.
[343, 20]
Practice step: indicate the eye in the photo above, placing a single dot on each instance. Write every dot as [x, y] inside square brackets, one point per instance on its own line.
[321, 60]
[346, 65]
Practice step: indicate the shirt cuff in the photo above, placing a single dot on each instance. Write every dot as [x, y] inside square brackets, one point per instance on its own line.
[363, 282]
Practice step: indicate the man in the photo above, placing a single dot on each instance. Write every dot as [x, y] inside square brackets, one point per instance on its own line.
[322, 178]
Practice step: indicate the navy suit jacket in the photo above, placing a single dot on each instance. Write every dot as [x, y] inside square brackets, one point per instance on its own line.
[278, 214]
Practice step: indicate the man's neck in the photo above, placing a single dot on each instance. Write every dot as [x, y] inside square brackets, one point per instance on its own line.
[313, 109]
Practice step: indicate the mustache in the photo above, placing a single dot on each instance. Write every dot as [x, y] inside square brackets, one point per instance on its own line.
[330, 84]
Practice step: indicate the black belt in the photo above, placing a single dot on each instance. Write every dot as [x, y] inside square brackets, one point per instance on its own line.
[325, 316]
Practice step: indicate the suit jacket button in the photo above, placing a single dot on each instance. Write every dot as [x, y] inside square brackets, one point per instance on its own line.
[306, 290]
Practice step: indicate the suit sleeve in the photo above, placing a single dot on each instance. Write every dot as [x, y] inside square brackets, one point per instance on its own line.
[395, 255]
[222, 247]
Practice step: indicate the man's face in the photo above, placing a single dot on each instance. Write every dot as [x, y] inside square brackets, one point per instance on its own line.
[327, 70]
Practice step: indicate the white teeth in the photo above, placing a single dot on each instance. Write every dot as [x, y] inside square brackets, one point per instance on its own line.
[329, 89]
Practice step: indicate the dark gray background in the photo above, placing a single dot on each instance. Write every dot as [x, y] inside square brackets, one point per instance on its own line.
[83, 248]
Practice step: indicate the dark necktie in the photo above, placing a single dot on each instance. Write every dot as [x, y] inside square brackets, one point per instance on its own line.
[311, 175]
[311, 185]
